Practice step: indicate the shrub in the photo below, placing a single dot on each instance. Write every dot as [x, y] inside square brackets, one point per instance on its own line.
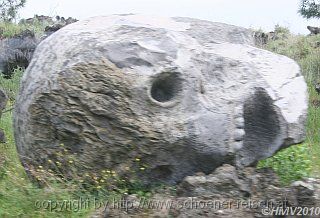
[309, 9]
[9, 9]
[291, 164]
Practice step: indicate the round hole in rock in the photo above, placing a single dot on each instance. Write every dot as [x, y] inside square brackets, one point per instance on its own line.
[262, 127]
[166, 86]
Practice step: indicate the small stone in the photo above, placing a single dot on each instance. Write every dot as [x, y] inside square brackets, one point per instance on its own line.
[239, 122]
[237, 145]
[238, 134]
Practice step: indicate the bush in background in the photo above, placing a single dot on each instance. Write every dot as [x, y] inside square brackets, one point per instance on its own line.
[9, 9]
[309, 9]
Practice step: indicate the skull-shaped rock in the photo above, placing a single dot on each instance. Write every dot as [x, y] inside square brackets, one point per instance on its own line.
[156, 98]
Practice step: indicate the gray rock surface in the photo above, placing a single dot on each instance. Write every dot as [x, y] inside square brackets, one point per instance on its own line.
[157, 98]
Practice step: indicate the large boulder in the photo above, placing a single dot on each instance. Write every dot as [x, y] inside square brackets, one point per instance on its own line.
[156, 98]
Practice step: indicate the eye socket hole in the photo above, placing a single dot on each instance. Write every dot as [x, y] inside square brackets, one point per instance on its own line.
[261, 120]
[262, 128]
[166, 86]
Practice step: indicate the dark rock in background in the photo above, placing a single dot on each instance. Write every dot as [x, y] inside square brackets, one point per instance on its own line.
[313, 30]
[53, 28]
[262, 38]
[58, 24]
[37, 19]
[3, 103]
[17, 51]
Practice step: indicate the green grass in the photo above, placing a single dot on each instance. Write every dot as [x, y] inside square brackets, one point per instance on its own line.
[8, 29]
[17, 195]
